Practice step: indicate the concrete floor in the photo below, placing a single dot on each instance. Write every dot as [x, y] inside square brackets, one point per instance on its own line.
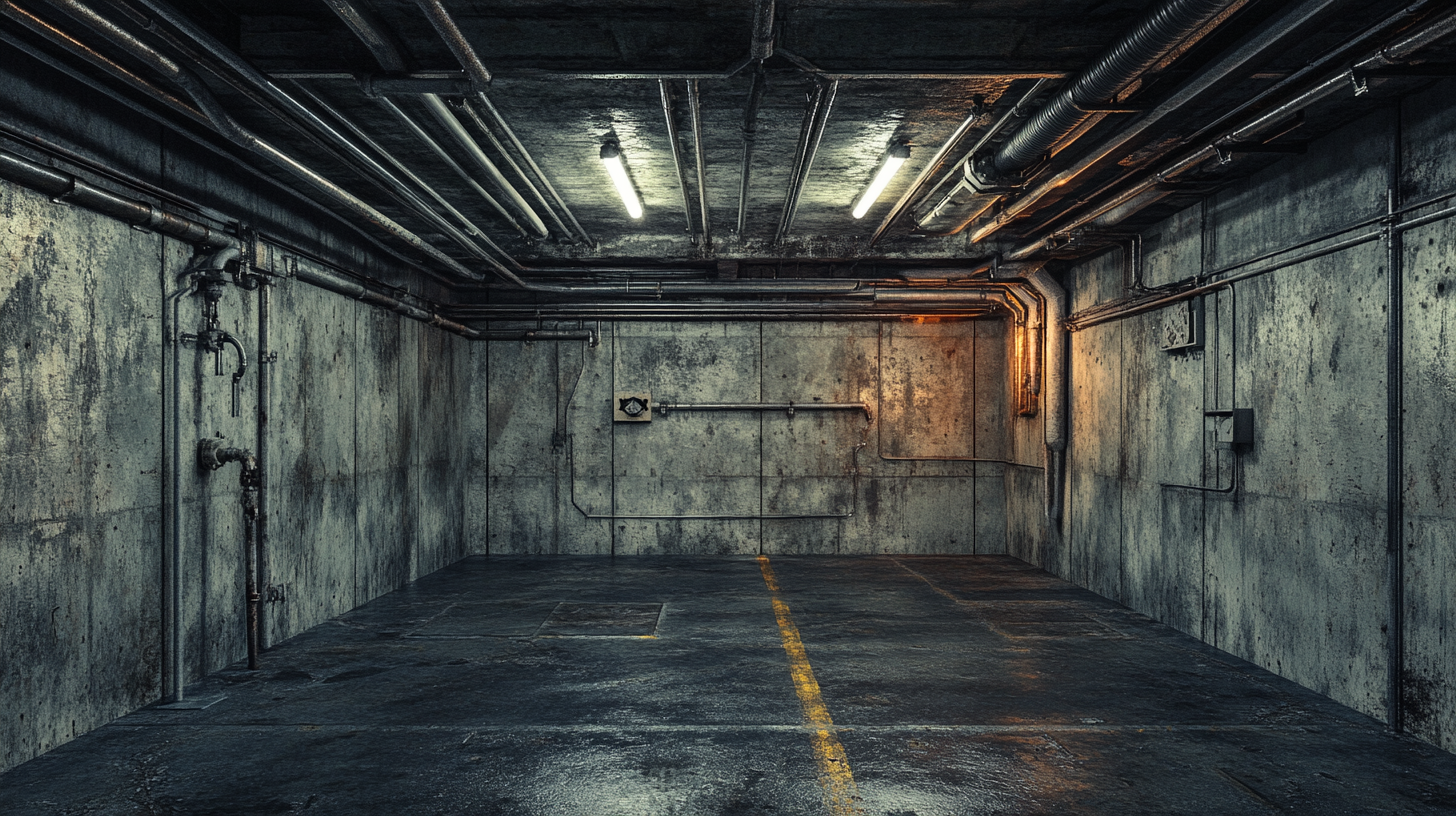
[956, 685]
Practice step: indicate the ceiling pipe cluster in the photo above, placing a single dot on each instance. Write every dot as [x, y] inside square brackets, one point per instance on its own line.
[1158, 184]
[1260, 46]
[205, 109]
[480, 78]
[985, 177]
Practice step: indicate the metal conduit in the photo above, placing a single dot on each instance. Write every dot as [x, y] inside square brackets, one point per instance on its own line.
[72, 190]
[463, 220]
[790, 408]
[1388, 56]
[816, 115]
[256, 81]
[695, 110]
[480, 77]
[229, 128]
[676, 144]
[480, 125]
[1163, 30]
[756, 88]
[1269, 38]
[1017, 111]
[449, 161]
[452, 125]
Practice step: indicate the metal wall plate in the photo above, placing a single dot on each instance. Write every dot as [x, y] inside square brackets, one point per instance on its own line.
[632, 406]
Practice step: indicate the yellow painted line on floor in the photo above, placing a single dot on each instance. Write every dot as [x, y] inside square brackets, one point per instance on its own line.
[841, 795]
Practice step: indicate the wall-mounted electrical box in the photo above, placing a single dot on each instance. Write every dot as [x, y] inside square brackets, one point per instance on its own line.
[1183, 326]
[1233, 429]
[632, 406]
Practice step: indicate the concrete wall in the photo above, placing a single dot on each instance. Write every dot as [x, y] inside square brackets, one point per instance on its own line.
[367, 491]
[546, 454]
[1291, 570]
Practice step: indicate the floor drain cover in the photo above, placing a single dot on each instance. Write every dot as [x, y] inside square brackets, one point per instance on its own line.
[602, 620]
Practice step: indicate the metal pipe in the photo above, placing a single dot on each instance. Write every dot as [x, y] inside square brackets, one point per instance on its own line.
[761, 44]
[1055, 299]
[533, 335]
[213, 455]
[173, 674]
[791, 408]
[255, 82]
[816, 115]
[929, 169]
[62, 187]
[480, 77]
[510, 134]
[1271, 36]
[1018, 111]
[510, 160]
[1381, 58]
[219, 151]
[455, 39]
[756, 88]
[371, 31]
[695, 111]
[452, 125]
[444, 156]
[470, 229]
[1167, 27]
[1395, 376]
[229, 128]
[676, 144]
[265, 397]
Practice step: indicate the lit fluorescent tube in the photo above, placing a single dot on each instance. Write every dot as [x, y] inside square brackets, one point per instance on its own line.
[612, 158]
[896, 157]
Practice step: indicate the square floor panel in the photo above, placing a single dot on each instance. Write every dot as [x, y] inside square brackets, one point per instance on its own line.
[602, 620]
[464, 621]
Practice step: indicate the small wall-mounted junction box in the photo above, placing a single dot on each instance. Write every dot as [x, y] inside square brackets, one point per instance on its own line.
[632, 406]
[1233, 429]
[1183, 326]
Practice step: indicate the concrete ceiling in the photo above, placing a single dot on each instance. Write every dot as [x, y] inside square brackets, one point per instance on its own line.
[569, 76]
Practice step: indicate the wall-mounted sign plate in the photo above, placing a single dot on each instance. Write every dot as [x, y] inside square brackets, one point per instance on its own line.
[632, 406]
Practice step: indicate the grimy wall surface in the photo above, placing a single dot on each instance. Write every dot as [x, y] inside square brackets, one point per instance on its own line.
[365, 493]
[550, 468]
[1291, 570]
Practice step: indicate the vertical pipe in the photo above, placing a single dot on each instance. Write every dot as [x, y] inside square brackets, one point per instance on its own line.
[750, 134]
[265, 380]
[676, 144]
[1395, 432]
[695, 108]
[250, 577]
[1054, 326]
[173, 676]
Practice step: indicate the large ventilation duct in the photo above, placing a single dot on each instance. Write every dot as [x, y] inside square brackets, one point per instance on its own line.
[988, 175]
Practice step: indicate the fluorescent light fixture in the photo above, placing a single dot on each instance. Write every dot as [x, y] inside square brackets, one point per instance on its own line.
[612, 158]
[896, 157]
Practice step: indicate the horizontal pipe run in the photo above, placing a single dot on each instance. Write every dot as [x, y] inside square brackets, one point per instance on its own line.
[536, 74]
[385, 84]
[62, 187]
[716, 516]
[718, 316]
[538, 334]
[791, 408]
